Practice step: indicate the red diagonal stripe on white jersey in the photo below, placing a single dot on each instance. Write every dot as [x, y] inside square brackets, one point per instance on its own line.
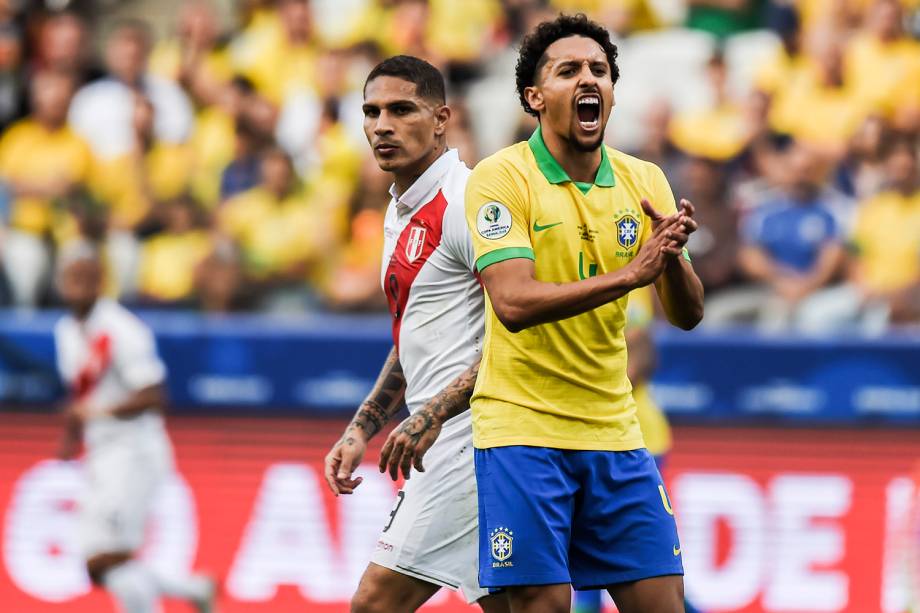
[401, 272]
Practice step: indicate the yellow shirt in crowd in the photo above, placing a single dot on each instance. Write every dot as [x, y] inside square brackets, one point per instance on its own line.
[274, 235]
[31, 154]
[833, 114]
[716, 134]
[887, 237]
[168, 263]
[123, 184]
[885, 77]
[560, 384]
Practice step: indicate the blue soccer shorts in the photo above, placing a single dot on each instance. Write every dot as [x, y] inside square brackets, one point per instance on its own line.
[589, 518]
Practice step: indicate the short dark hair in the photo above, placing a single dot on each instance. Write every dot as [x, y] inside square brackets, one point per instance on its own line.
[534, 45]
[429, 82]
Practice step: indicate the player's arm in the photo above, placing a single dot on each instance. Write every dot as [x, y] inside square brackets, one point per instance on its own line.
[408, 443]
[520, 301]
[69, 443]
[679, 288]
[382, 403]
[150, 397]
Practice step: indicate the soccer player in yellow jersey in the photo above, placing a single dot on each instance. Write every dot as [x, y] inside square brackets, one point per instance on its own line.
[563, 229]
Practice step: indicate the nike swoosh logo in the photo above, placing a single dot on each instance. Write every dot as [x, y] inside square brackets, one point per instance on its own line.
[538, 228]
[676, 551]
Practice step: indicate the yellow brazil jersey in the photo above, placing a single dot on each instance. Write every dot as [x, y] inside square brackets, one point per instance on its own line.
[887, 236]
[274, 234]
[30, 154]
[655, 428]
[168, 263]
[884, 76]
[561, 384]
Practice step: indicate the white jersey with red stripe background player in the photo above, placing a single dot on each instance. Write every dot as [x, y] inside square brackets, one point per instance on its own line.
[435, 298]
[104, 359]
[436, 303]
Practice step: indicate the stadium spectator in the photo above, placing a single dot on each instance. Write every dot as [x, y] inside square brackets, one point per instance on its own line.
[215, 142]
[278, 50]
[883, 66]
[277, 231]
[242, 172]
[103, 111]
[220, 284]
[834, 113]
[41, 161]
[63, 45]
[169, 259]
[718, 132]
[792, 244]
[194, 56]
[885, 271]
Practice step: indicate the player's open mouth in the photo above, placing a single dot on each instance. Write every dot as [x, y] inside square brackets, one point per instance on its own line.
[588, 109]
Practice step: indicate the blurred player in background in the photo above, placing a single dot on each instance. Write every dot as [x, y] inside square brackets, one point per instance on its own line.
[564, 228]
[436, 302]
[640, 315]
[108, 358]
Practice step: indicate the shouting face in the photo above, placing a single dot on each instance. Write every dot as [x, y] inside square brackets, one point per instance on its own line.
[573, 93]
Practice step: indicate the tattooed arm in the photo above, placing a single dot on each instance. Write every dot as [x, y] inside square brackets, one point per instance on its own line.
[408, 443]
[384, 401]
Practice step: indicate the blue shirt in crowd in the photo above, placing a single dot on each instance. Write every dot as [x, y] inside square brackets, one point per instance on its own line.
[792, 232]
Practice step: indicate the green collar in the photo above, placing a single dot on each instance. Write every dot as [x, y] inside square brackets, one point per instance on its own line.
[555, 174]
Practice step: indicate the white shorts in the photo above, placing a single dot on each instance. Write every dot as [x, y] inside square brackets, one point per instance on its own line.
[432, 532]
[122, 479]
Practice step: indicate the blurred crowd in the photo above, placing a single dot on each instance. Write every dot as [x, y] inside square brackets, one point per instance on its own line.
[226, 169]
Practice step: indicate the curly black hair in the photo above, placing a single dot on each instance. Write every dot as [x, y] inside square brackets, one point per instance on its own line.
[534, 45]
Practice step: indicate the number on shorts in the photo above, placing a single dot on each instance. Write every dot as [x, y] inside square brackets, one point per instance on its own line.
[400, 496]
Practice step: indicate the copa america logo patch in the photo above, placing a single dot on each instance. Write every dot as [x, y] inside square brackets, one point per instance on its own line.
[501, 540]
[493, 220]
[627, 231]
[416, 243]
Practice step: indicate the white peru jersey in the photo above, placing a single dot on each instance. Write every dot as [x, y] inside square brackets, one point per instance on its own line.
[428, 275]
[104, 360]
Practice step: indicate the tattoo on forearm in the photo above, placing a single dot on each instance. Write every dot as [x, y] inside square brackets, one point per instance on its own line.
[384, 401]
[453, 400]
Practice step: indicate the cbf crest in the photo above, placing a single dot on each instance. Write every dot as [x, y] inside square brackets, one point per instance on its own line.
[627, 231]
[416, 243]
[502, 541]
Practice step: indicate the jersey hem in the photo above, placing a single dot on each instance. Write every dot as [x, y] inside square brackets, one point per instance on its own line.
[572, 445]
[500, 255]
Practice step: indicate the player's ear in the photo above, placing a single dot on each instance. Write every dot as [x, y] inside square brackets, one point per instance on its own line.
[441, 118]
[534, 98]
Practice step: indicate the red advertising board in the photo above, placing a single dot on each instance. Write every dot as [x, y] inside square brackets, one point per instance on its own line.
[771, 520]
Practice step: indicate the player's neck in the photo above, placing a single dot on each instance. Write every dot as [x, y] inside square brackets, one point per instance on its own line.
[404, 178]
[581, 166]
[82, 312]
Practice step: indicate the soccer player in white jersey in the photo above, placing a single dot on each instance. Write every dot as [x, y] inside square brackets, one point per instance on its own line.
[430, 539]
[108, 359]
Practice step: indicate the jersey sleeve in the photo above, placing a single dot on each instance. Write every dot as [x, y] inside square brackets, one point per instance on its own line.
[136, 357]
[457, 235]
[497, 213]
